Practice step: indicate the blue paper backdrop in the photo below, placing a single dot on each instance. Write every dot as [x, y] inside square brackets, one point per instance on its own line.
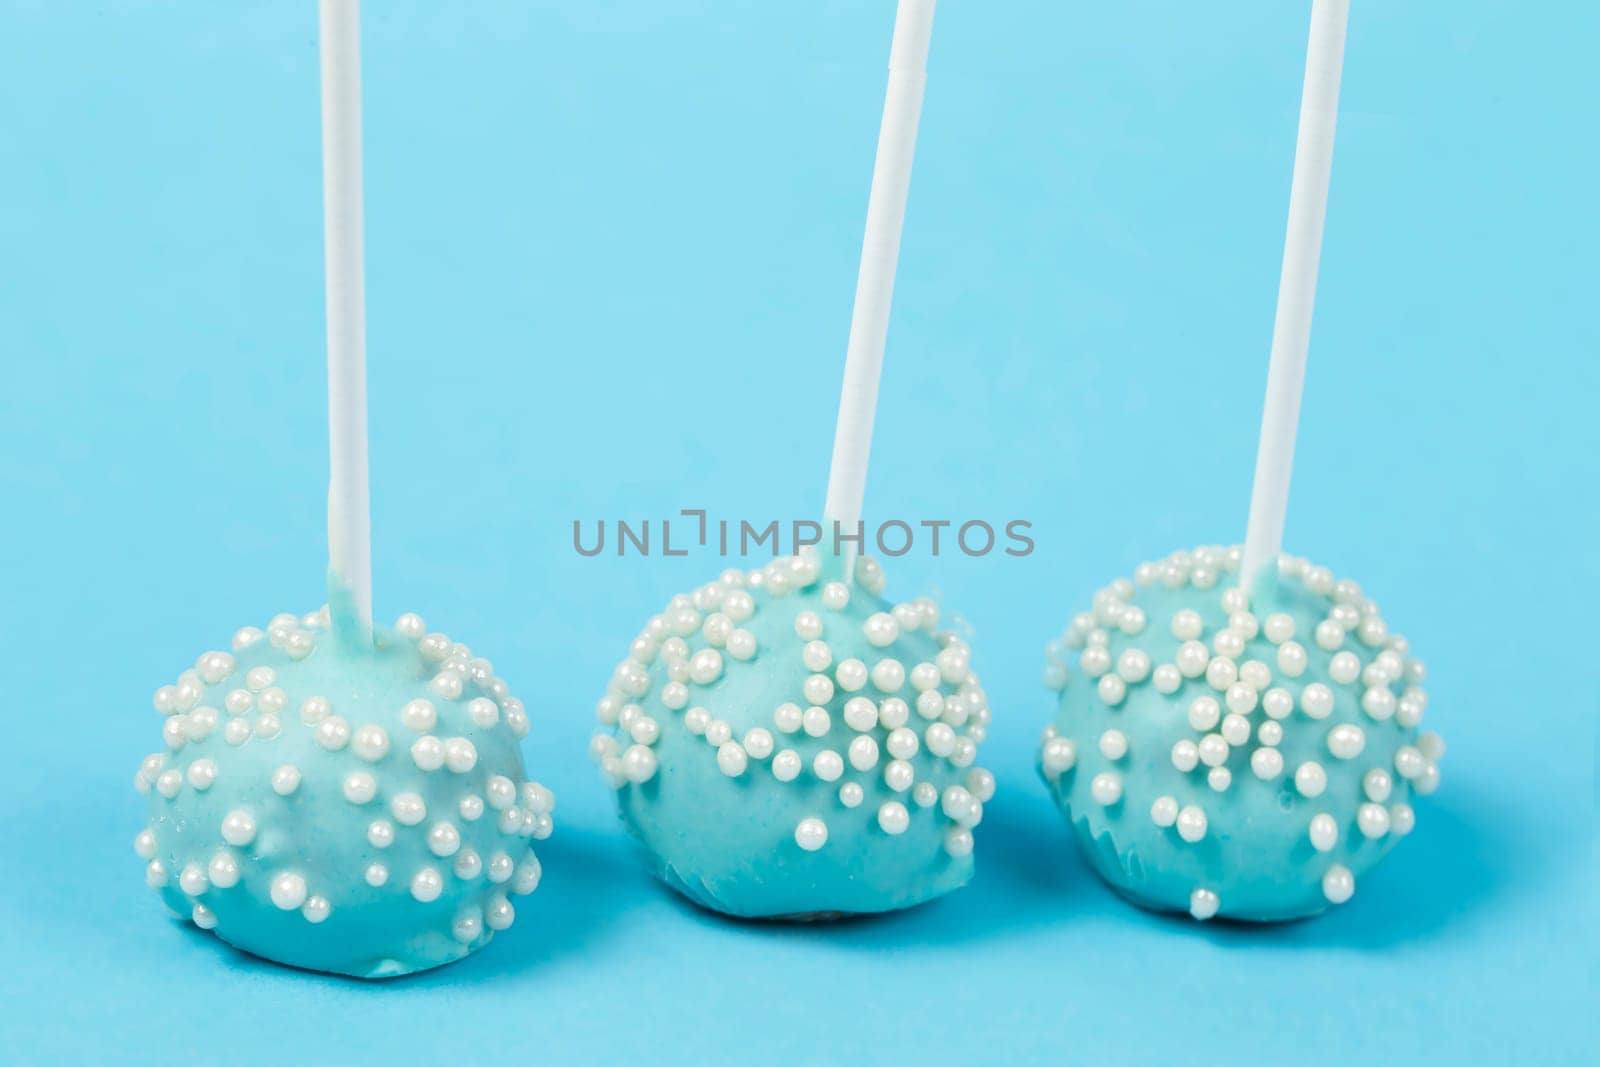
[611, 252]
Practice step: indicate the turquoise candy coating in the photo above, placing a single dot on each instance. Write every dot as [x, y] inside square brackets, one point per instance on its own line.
[789, 746]
[1248, 761]
[362, 811]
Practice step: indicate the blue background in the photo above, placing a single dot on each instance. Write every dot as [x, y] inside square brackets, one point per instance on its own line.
[611, 251]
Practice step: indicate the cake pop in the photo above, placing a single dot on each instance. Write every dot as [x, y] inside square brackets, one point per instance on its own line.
[330, 796]
[787, 743]
[1244, 757]
[356, 810]
[1240, 736]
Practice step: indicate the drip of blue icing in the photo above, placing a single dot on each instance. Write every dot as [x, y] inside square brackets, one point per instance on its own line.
[350, 630]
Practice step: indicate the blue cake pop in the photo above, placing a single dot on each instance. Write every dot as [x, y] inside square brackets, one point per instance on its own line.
[360, 810]
[1243, 757]
[788, 746]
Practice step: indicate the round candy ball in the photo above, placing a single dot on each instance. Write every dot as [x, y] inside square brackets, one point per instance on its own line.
[787, 745]
[1249, 758]
[364, 813]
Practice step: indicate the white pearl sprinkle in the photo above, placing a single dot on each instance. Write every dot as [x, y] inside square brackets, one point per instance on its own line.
[1106, 788]
[460, 755]
[288, 890]
[202, 773]
[898, 775]
[1204, 714]
[1191, 824]
[1409, 762]
[223, 870]
[860, 714]
[1058, 756]
[483, 712]
[427, 753]
[1187, 625]
[1346, 741]
[1221, 672]
[1213, 750]
[732, 759]
[333, 733]
[371, 743]
[1112, 689]
[1431, 745]
[238, 827]
[705, 666]
[881, 630]
[1344, 668]
[893, 817]
[1235, 729]
[1166, 679]
[444, 839]
[380, 833]
[1310, 779]
[427, 884]
[851, 675]
[811, 834]
[1113, 744]
[817, 689]
[786, 765]
[638, 765]
[192, 880]
[419, 715]
[408, 809]
[1373, 820]
[888, 675]
[1338, 884]
[1266, 763]
[1316, 700]
[1164, 811]
[787, 717]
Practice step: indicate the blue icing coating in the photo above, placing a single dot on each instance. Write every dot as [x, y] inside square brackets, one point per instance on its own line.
[356, 810]
[786, 745]
[1244, 759]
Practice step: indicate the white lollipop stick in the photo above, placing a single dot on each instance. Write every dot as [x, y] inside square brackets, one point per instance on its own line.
[1297, 286]
[880, 253]
[349, 519]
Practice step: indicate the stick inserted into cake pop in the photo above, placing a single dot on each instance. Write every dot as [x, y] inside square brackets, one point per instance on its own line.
[880, 254]
[1297, 286]
[352, 802]
[818, 740]
[349, 516]
[1245, 752]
